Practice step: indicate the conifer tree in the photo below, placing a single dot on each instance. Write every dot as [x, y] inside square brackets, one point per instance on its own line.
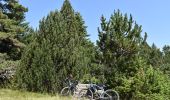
[119, 43]
[11, 27]
[60, 48]
[126, 68]
[165, 67]
[155, 58]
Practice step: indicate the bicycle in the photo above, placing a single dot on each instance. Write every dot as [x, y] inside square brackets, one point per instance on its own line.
[70, 88]
[97, 92]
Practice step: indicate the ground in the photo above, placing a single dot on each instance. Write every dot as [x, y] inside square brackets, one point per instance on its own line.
[8, 94]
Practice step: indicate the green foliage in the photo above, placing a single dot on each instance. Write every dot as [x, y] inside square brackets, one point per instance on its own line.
[165, 67]
[3, 57]
[88, 78]
[28, 36]
[119, 43]
[11, 27]
[155, 56]
[121, 49]
[8, 64]
[60, 48]
[40, 73]
[122, 58]
[154, 85]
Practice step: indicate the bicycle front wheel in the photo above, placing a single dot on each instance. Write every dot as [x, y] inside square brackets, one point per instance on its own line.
[85, 94]
[110, 95]
[65, 91]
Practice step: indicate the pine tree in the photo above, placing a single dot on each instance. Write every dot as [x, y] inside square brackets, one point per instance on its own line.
[60, 48]
[165, 67]
[119, 43]
[155, 58]
[11, 26]
[126, 68]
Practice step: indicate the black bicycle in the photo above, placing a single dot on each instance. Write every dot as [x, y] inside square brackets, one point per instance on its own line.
[98, 92]
[70, 88]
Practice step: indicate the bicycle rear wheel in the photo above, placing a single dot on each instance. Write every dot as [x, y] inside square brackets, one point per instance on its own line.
[65, 91]
[85, 94]
[110, 95]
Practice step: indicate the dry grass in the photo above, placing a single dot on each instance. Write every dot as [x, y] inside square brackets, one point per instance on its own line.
[7, 94]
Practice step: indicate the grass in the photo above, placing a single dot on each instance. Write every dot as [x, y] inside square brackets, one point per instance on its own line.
[7, 94]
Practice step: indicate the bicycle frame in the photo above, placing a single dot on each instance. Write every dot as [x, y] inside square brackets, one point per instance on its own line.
[71, 86]
[101, 92]
[97, 89]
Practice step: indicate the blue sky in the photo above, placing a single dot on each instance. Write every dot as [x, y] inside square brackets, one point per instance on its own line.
[153, 15]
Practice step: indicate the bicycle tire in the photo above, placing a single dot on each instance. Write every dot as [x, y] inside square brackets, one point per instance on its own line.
[85, 94]
[110, 95]
[65, 91]
[96, 96]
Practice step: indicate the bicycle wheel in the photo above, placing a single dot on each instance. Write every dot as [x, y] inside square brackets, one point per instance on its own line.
[65, 91]
[96, 96]
[110, 95]
[85, 94]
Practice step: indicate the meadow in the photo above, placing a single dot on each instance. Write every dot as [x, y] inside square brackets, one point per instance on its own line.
[8, 94]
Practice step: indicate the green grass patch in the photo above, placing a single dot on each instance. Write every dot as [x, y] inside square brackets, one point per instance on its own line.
[7, 94]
